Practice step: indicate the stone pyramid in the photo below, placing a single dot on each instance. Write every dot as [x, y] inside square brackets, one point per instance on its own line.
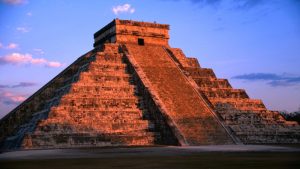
[133, 89]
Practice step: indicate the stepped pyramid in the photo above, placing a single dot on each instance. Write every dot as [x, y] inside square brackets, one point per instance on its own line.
[133, 89]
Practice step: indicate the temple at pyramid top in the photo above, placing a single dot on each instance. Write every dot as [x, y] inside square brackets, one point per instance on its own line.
[128, 31]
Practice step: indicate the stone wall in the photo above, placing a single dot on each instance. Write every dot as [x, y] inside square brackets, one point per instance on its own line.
[127, 31]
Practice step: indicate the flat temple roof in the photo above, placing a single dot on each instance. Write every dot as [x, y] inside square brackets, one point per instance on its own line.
[131, 23]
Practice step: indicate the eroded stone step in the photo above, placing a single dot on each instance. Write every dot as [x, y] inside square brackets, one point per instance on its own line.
[90, 125]
[211, 93]
[209, 82]
[109, 57]
[104, 78]
[89, 140]
[102, 89]
[104, 74]
[93, 108]
[100, 102]
[100, 67]
[200, 72]
[100, 96]
[123, 116]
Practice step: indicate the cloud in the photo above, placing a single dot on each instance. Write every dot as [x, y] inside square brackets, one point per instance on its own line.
[9, 46]
[54, 64]
[207, 2]
[235, 4]
[22, 29]
[39, 51]
[271, 79]
[4, 86]
[29, 14]
[14, 2]
[126, 8]
[12, 46]
[9, 98]
[21, 84]
[18, 58]
[247, 4]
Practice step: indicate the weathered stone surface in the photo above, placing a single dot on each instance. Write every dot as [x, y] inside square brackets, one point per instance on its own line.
[184, 106]
[134, 89]
[248, 119]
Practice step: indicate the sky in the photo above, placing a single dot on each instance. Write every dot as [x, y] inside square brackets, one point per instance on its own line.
[253, 43]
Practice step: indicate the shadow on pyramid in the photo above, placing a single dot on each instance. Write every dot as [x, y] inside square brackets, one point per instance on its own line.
[133, 89]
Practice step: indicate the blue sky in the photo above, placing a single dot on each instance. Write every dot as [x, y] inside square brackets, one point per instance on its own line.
[253, 43]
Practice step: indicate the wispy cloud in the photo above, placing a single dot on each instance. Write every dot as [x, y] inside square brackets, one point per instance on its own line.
[18, 58]
[23, 29]
[271, 78]
[29, 14]
[54, 64]
[12, 46]
[39, 51]
[14, 2]
[9, 98]
[234, 4]
[247, 4]
[9, 46]
[206, 2]
[21, 84]
[126, 8]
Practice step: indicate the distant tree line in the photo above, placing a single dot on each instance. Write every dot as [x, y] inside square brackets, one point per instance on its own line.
[291, 116]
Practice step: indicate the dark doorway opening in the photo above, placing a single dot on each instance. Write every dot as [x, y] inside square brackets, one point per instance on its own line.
[141, 41]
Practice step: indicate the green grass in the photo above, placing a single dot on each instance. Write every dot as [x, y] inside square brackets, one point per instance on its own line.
[206, 160]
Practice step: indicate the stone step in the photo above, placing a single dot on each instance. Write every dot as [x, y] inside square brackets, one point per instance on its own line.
[223, 93]
[100, 95]
[104, 115]
[93, 108]
[89, 140]
[99, 102]
[103, 78]
[209, 82]
[109, 57]
[104, 74]
[88, 124]
[100, 67]
[103, 84]
[102, 89]
[200, 72]
[108, 64]
[249, 109]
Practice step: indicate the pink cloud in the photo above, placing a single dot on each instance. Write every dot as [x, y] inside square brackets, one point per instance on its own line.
[18, 58]
[9, 46]
[11, 98]
[12, 46]
[54, 64]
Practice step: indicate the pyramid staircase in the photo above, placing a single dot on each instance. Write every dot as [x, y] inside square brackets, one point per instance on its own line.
[95, 105]
[195, 121]
[247, 118]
